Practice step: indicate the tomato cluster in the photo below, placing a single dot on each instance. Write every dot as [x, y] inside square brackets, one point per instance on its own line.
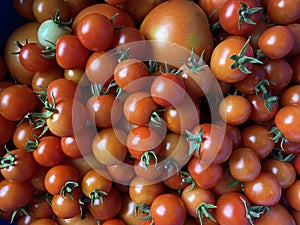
[167, 112]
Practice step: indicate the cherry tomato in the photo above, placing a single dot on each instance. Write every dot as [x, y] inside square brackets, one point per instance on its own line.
[14, 108]
[240, 17]
[95, 31]
[57, 176]
[286, 122]
[44, 221]
[24, 8]
[121, 173]
[68, 45]
[295, 28]
[41, 80]
[7, 129]
[290, 96]
[281, 37]
[283, 12]
[244, 164]
[263, 190]
[14, 195]
[168, 206]
[109, 146]
[18, 165]
[292, 195]
[231, 209]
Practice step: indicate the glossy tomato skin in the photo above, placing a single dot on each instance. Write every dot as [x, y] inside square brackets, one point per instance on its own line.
[164, 24]
[229, 16]
[281, 37]
[95, 31]
[57, 176]
[23, 166]
[283, 12]
[290, 96]
[14, 195]
[292, 195]
[68, 45]
[279, 215]
[14, 108]
[220, 62]
[286, 122]
[41, 80]
[7, 129]
[269, 192]
[168, 209]
[231, 209]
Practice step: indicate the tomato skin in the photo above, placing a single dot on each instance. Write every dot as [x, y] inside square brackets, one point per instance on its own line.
[235, 109]
[295, 28]
[290, 96]
[292, 195]
[68, 45]
[244, 164]
[23, 167]
[220, 61]
[231, 210]
[37, 179]
[24, 8]
[279, 215]
[95, 31]
[168, 209]
[283, 12]
[268, 193]
[296, 164]
[286, 121]
[138, 108]
[14, 108]
[57, 176]
[111, 206]
[7, 129]
[49, 152]
[205, 176]
[41, 80]
[229, 17]
[14, 195]
[164, 24]
[276, 42]
[284, 171]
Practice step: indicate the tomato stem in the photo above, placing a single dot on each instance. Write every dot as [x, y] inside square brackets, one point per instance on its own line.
[97, 194]
[203, 210]
[186, 178]
[245, 12]
[7, 161]
[194, 65]
[195, 141]
[68, 188]
[146, 157]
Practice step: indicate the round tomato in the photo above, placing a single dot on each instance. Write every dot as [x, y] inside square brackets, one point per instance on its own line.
[283, 12]
[293, 194]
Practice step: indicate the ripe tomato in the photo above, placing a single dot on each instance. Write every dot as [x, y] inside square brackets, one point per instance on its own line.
[225, 67]
[109, 146]
[163, 24]
[168, 209]
[40, 208]
[129, 75]
[13, 63]
[41, 80]
[24, 8]
[278, 215]
[295, 28]
[153, 171]
[292, 194]
[167, 90]
[48, 151]
[31, 57]
[18, 165]
[109, 208]
[138, 108]
[235, 109]
[95, 31]
[231, 209]
[121, 173]
[290, 96]
[276, 42]
[205, 176]
[57, 176]
[14, 108]
[240, 17]
[68, 45]
[283, 12]
[144, 191]
[14, 195]
[244, 164]
[37, 179]
[283, 171]
[7, 129]
[286, 122]
[67, 205]
[263, 190]
[44, 221]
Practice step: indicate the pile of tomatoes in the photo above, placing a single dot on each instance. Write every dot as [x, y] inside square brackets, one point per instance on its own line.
[165, 112]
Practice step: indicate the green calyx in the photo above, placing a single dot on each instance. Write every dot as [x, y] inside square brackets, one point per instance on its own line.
[278, 155]
[57, 20]
[97, 194]
[195, 141]
[278, 136]
[254, 211]
[143, 209]
[31, 145]
[203, 210]
[122, 54]
[245, 12]
[68, 188]
[146, 159]
[168, 70]
[186, 178]
[7, 161]
[194, 65]
[240, 60]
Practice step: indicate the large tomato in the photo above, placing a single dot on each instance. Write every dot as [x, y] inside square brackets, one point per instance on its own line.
[180, 22]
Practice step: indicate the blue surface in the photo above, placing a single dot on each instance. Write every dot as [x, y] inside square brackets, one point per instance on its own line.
[9, 21]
